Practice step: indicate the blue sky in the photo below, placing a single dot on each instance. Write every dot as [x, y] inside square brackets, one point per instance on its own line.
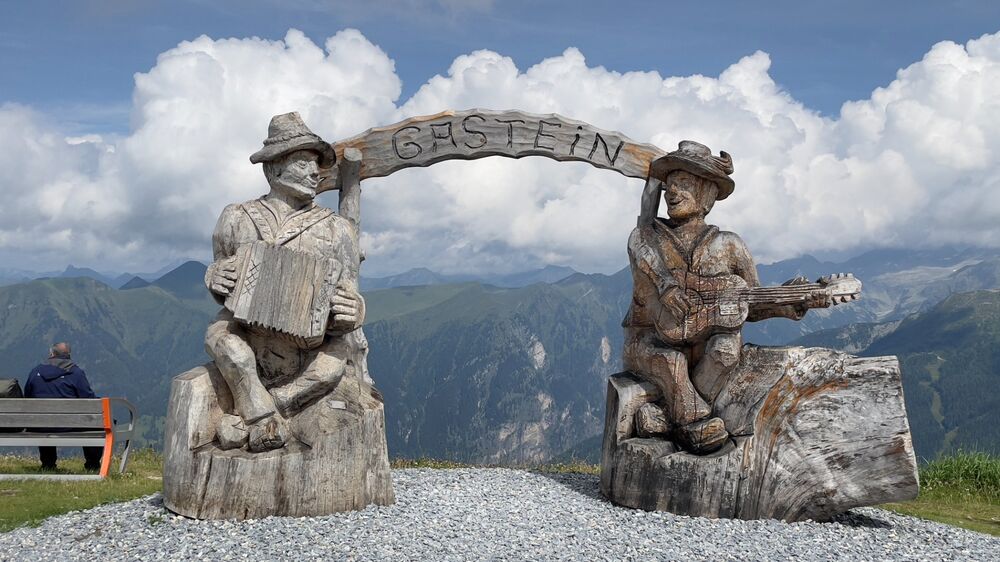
[76, 59]
[853, 125]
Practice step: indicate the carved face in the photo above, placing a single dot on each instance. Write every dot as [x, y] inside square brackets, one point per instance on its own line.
[297, 174]
[688, 196]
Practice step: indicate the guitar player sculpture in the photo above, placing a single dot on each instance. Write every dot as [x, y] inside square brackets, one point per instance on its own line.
[700, 424]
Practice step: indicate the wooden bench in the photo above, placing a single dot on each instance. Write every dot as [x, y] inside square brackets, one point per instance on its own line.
[89, 419]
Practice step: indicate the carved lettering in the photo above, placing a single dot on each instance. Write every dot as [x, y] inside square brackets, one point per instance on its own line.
[435, 129]
[482, 136]
[599, 139]
[572, 147]
[396, 146]
[510, 129]
[541, 124]
[423, 141]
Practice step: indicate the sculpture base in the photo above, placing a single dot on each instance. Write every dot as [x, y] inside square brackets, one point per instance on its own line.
[336, 461]
[814, 432]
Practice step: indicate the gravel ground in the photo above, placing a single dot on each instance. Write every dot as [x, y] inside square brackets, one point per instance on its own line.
[487, 514]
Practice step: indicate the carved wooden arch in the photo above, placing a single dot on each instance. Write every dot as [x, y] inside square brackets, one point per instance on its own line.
[478, 133]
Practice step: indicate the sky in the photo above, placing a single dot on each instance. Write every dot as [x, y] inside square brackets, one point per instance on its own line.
[125, 127]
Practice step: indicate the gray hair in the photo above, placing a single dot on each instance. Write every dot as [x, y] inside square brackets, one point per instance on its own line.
[61, 348]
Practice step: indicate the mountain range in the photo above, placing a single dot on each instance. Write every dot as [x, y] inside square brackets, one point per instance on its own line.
[115, 280]
[478, 372]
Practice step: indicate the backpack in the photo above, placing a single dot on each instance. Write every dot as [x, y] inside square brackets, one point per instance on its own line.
[10, 388]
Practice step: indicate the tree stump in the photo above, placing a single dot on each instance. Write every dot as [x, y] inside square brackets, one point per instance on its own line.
[814, 432]
[337, 460]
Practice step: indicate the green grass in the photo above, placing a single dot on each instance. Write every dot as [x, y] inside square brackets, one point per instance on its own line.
[561, 467]
[962, 489]
[29, 502]
[427, 463]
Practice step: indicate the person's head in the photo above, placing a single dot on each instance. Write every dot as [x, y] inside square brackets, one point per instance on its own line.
[60, 349]
[293, 156]
[295, 174]
[693, 179]
[688, 196]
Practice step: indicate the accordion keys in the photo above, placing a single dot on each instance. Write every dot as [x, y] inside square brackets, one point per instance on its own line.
[284, 291]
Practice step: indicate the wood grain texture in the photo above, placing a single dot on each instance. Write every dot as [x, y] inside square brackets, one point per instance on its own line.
[815, 432]
[50, 406]
[337, 461]
[349, 203]
[284, 290]
[29, 420]
[478, 133]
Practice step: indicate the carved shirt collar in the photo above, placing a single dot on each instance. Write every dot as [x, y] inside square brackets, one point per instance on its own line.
[674, 245]
[265, 219]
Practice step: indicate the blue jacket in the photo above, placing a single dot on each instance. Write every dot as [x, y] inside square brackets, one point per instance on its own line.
[58, 378]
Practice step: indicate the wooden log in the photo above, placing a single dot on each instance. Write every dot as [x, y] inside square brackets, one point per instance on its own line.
[349, 203]
[337, 461]
[815, 432]
[478, 133]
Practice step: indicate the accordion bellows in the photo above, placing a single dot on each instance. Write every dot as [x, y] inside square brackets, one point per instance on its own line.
[284, 291]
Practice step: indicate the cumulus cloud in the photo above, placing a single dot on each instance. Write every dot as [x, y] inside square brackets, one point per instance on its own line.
[912, 165]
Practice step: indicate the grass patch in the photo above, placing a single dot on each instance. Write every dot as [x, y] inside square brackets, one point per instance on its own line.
[962, 489]
[424, 462]
[561, 467]
[29, 502]
[573, 465]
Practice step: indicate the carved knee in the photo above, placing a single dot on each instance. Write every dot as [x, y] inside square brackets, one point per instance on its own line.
[724, 350]
[232, 349]
[325, 367]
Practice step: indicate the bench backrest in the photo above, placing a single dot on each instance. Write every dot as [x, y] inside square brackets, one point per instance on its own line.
[68, 413]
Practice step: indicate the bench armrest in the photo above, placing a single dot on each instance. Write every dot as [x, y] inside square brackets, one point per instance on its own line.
[130, 429]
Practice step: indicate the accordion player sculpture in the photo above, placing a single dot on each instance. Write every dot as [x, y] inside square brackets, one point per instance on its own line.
[285, 420]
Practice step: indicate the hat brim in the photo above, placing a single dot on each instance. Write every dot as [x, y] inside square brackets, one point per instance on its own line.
[671, 162]
[327, 157]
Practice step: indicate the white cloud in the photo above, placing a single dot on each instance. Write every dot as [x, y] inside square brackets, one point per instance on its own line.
[913, 165]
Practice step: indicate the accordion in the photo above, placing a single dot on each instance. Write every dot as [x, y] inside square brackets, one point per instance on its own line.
[284, 291]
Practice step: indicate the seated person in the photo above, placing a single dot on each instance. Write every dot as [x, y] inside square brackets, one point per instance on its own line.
[60, 377]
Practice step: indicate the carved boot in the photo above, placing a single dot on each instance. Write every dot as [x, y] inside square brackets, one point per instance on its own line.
[232, 432]
[268, 433]
[703, 436]
[650, 421]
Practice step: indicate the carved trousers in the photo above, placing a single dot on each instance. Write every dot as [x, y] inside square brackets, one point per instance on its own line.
[309, 373]
[687, 393]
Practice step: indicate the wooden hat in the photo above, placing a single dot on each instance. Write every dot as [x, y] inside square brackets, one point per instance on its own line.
[288, 133]
[697, 159]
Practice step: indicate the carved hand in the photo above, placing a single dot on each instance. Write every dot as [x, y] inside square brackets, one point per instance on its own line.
[223, 276]
[676, 302]
[348, 309]
[818, 299]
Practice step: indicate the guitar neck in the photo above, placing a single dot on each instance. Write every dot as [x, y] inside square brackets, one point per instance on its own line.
[782, 294]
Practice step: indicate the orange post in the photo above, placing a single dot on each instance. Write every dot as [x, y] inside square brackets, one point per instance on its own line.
[109, 437]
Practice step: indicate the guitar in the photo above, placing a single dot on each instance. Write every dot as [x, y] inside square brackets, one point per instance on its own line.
[724, 301]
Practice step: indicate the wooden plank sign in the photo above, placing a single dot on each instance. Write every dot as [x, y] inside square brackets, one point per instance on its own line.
[478, 133]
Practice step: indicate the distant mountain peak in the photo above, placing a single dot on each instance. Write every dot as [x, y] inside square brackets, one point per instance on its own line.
[135, 282]
[186, 281]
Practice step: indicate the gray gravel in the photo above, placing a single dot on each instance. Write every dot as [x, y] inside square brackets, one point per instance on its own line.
[487, 514]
